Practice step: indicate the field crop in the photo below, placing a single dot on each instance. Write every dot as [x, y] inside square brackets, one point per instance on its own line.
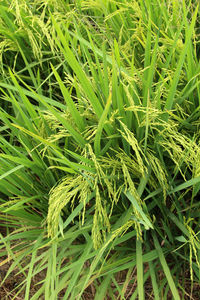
[100, 149]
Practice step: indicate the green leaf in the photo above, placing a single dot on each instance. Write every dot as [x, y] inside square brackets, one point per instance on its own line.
[139, 262]
[147, 222]
[176, 77]
[166, 268]
[69, 102]
[101, 125]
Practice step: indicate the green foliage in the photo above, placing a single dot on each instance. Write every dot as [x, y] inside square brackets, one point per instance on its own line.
[99, 147]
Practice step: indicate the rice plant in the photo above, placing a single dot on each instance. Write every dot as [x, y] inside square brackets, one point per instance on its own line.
[99, 148]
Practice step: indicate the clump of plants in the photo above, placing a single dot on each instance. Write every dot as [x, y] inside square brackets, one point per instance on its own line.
[99, 148]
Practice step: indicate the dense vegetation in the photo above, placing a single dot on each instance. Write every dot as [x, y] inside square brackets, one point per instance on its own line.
[100, 148]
